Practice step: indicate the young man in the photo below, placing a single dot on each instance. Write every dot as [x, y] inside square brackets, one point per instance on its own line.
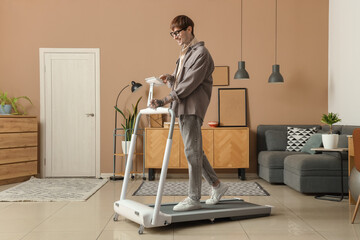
[191, 86]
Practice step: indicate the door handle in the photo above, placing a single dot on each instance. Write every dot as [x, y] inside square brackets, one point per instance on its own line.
[89, 114]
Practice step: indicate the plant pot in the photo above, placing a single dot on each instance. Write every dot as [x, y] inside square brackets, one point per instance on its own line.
[330, 141]
[125, 146]
[6, 109]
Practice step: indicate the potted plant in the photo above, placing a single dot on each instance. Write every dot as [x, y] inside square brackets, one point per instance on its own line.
[11, 105]
[129, 125]
[330, 140]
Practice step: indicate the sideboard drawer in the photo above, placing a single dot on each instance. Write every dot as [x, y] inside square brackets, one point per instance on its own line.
[12, 140]
[8, 125]
[16, 170]
[14, 155]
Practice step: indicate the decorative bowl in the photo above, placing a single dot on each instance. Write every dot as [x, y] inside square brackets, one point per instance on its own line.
[213, 124]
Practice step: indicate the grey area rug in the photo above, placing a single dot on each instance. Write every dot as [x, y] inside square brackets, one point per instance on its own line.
[149, 188]
[52, 190]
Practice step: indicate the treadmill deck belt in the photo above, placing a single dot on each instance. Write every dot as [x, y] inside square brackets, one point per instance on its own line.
[227, 208]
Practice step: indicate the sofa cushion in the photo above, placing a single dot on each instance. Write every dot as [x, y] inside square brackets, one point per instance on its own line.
[314, 141]
[261, 129]
[348, 129]
[327, 131]
[275, 140]
[343, 141]
[336, 129]
[297, 137]
[314, 165]
[274, 159]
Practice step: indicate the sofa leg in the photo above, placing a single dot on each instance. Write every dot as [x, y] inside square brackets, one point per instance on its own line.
[241, 173]
[151, 174]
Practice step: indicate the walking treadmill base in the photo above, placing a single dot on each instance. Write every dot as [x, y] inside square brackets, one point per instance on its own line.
[227, 208]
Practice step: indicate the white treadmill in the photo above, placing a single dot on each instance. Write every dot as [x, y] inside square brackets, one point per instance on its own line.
[158, 215]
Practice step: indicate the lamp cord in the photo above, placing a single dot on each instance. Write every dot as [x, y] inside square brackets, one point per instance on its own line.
[241, 25]
[275, 31]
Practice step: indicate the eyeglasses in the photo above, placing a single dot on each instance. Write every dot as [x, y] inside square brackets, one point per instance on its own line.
[176, 33]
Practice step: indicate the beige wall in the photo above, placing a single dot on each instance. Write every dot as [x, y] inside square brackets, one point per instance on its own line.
[133, 37]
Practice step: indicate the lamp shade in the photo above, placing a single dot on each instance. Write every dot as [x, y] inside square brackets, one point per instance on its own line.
[241, 72]
[275, 76]
[135, 86]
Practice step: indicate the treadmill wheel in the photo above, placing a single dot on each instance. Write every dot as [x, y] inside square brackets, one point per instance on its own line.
[141, 229]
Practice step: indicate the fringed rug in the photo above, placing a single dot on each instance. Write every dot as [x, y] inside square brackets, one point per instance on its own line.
[52, 190]
[149, 188]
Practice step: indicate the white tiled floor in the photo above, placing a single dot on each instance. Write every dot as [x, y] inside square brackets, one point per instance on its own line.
[294, 216]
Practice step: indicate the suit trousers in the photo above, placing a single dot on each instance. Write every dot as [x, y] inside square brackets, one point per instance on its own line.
[190, 129]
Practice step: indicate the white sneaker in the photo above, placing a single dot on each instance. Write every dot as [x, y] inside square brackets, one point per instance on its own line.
[217, 193]
[186, 205]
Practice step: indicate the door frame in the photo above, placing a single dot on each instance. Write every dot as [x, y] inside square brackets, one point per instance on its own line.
[42, 52]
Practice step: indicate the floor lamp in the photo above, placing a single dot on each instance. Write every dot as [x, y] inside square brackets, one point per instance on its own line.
[134, 86]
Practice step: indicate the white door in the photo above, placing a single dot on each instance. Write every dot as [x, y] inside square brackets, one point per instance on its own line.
[70, 83]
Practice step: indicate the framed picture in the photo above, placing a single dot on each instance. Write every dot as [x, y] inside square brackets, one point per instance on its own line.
[232, 107]
[221, 76]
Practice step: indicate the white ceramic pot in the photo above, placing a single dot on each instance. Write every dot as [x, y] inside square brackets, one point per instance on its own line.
[125, 146]
[330, 141]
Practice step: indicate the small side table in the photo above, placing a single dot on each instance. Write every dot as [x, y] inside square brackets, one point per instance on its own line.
[333, 197]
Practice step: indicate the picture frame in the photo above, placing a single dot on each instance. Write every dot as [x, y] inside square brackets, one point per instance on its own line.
[221, 76]
[232, 107]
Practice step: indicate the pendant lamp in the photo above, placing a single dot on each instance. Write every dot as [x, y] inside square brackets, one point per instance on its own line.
[275, 76]
[241, 72]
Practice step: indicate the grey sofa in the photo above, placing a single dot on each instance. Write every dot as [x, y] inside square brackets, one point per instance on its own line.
[302, 171]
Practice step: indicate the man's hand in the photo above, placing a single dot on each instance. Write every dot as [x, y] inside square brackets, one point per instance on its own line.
[165, 78]
[155, 103]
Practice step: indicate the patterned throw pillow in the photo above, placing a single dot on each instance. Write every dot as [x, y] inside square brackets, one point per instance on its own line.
[297, 137]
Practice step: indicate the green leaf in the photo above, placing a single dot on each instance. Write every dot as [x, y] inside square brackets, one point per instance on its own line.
[117, 109]
[14, 102]
[129, 119]
[330, 119]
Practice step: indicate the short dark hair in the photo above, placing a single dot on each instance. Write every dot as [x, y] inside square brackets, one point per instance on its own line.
[181, 22]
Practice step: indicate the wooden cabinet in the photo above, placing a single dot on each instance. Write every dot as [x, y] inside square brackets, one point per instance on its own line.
[224, 147]
[18, 148]
[231, 148]
[155, 140]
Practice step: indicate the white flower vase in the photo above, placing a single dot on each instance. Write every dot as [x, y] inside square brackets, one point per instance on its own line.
[330, 141]
[125, 146]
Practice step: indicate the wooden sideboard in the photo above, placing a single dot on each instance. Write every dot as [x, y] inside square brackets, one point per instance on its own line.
[18, 148]
[224, 148]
